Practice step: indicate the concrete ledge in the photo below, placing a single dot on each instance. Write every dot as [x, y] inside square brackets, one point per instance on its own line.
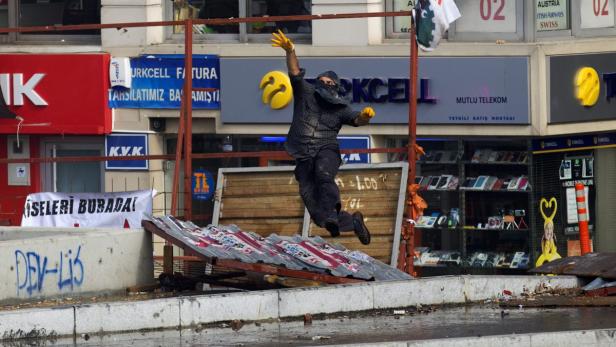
[41, 263]
[314, 300]
[601, 337]
[428, 291]
[127, 316]
[263, 305]
[38, 322]
[253, 306]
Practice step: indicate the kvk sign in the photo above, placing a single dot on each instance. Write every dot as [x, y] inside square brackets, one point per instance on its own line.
[117, 145]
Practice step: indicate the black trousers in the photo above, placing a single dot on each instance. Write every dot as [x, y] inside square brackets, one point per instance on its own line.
[317, 187]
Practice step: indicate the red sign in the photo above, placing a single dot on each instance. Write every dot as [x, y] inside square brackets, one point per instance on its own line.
[56, 93]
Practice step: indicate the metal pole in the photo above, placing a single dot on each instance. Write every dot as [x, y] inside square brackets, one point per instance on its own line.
[409, 227]
[188, 63]
[178, 161]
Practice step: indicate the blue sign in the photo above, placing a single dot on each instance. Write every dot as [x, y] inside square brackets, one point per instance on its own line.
[355, 142]
[203, 186]
[117, 145]
[157, 82]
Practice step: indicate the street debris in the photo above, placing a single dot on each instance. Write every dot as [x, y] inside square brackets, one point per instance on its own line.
[296, 253]
[320, 337]
[307, 319]
[589, 265]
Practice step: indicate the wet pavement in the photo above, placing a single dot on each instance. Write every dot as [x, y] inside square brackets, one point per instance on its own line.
[372, 327]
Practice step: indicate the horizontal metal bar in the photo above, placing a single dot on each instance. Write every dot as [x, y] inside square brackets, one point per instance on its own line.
[218, 155]
[275, 270]
[213, 21]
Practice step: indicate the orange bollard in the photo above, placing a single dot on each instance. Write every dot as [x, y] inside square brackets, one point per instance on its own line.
[582, 211]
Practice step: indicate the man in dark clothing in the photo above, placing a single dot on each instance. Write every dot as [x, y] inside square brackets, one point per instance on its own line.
[319, 112]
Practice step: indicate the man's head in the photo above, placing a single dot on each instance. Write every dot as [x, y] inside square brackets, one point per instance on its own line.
[329, 78]
[328, 88]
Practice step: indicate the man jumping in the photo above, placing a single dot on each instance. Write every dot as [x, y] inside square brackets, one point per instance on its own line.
[319, 112]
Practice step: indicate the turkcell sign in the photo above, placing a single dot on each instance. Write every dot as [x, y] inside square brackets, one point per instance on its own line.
[451, 90]
[157, 82]
[120, 145]
[355, 142]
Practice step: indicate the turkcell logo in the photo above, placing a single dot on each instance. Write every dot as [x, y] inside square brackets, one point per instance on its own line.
[277, 90]
[355, 142]
[121, 145]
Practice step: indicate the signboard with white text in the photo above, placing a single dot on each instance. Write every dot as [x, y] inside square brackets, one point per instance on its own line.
[91, 210]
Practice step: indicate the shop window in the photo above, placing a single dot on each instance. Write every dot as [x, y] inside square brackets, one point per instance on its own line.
[398, 27]
[489, 20]
[28, 13]
[551, 16]
[207, 9]
[594, 18]
[4, 13]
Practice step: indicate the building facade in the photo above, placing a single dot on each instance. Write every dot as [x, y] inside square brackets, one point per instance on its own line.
[503, 81]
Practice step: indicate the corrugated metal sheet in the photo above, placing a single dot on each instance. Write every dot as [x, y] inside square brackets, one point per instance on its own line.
[297, 253]
[590, 265]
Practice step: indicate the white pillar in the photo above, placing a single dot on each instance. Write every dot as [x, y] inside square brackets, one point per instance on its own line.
[347, 32]
[126, 11]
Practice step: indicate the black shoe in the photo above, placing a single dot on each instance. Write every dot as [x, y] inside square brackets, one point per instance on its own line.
[331, 224]
[361, 230]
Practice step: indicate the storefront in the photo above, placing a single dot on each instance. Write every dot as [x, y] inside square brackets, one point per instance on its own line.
[582, 90]
[63, 101]
[477, 187]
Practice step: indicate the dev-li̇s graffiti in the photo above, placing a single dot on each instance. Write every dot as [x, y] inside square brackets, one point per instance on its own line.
[32, 269]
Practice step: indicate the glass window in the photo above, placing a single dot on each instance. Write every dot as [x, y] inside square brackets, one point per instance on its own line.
[207, 9]
[4, 13]
[60, 12]
[596, 14]
[401, 24]
[258, 8]
[551, 15]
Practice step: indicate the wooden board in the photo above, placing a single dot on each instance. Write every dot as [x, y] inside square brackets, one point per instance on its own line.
[266, 201]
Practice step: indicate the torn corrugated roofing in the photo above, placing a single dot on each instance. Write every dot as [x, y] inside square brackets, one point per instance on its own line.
[297, 253]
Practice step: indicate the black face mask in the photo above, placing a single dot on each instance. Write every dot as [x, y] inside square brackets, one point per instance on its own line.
[330, 94]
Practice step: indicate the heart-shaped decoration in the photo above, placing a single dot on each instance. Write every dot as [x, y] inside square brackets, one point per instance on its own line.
[548, 205]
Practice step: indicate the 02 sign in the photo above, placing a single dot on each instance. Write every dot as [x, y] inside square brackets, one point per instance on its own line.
[487, 16]
[597, 14]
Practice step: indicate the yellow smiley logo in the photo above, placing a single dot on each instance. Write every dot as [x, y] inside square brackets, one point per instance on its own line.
[587, 86]
[277, 90]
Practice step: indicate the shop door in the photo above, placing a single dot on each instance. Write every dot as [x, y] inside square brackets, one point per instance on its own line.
[74, 177]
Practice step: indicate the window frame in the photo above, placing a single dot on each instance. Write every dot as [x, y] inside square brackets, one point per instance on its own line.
[518, 36]
[13, 15]
[242, 37]
[389, 24]
[576, 24]
[549, 34]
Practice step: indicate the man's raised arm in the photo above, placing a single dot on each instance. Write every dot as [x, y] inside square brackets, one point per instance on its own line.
[280, 40]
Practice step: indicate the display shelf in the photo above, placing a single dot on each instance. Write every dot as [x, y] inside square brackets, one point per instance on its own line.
[499, 230]
[468, 162]
[496, 191]
[481, 163]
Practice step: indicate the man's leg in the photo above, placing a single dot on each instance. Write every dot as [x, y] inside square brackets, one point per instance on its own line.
[356, 224]
[308, 190]
[327, 163]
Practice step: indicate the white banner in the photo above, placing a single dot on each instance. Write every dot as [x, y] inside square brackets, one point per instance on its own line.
[87, 210]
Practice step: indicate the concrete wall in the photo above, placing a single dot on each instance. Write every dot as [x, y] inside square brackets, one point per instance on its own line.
[38, 263]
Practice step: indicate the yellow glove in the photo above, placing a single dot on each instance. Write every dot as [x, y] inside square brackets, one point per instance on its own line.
[367, 113]
[280, 40]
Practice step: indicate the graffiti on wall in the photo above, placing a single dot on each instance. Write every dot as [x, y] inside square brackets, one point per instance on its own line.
[35, 272]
